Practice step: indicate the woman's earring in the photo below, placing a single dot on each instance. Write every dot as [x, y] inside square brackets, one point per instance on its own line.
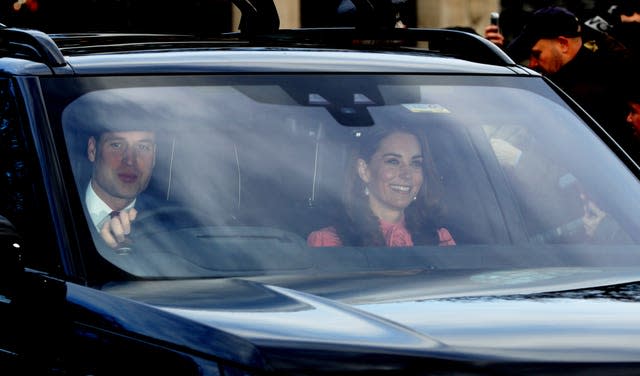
[366, 191]
[415, 198]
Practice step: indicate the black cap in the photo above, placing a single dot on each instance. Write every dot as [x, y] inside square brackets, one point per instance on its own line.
[549, 22]
[631, 89]
[628, 7]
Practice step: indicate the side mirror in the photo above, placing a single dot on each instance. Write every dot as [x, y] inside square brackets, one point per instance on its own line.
[11, 256]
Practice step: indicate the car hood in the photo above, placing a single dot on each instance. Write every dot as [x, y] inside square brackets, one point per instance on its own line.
[536, 315]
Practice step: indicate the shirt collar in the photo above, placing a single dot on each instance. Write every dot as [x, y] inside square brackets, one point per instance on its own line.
[98, 209]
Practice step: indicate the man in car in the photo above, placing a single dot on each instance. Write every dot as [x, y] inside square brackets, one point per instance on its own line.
[123, 162]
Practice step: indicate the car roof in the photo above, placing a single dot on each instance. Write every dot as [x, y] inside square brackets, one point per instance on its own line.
[299, 50]
[275, 60]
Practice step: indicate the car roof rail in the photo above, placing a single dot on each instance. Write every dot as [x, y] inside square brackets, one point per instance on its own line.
[444, 42]
[30, 44]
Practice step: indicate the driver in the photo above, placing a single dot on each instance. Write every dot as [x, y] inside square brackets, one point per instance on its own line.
[123, 162]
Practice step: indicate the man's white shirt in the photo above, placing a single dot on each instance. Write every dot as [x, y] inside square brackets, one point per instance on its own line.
[98, 209]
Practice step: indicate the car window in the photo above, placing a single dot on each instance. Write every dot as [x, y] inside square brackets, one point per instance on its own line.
[247, 167]
[21, 183]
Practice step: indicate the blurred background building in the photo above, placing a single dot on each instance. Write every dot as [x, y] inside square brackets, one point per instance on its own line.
[205, 16]
[214, 16]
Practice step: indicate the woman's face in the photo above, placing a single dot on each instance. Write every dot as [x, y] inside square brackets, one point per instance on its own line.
[394, 174]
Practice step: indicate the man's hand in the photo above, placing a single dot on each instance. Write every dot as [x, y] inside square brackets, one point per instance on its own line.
[493, 34]
[114, 231]
[592, 217]
[507, 154]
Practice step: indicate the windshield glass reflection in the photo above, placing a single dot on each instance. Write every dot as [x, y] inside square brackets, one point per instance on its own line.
[270, 174]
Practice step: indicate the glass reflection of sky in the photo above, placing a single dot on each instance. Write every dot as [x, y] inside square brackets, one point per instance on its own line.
[519, 324]
[325, 321]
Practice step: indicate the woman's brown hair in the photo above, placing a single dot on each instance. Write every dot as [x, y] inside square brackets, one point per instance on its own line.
[361, 227]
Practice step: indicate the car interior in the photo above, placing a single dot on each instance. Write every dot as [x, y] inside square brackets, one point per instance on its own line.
[247, 177]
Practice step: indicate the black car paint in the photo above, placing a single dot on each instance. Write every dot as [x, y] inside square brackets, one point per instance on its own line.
[413, 324]
[417, 326]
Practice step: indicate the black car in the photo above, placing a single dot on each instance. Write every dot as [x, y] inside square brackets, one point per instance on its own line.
[498, 231]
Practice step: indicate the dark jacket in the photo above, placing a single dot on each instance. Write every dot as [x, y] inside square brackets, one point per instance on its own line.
[593, 79]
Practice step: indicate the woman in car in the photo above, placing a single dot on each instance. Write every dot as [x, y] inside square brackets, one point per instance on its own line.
[386, 198]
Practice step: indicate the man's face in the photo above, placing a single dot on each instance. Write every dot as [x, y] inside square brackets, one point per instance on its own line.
[631, 17]
[546, 56]
[122, 165]
[633, 117]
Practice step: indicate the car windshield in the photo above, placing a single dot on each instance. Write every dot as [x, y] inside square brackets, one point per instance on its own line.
[260, 174]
